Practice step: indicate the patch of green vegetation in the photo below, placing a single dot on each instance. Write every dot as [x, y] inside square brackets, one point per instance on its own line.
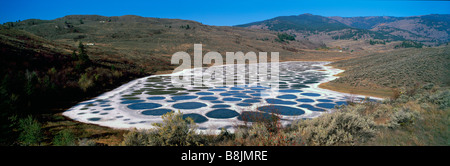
[409, 44]
[284, 38]
[373, 42]
[304, 22]
[356, 34]
[160, 92]
[30, 132]
[64, 138]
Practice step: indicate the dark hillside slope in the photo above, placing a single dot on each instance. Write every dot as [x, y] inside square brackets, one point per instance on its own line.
[38, 77]
[303, 22]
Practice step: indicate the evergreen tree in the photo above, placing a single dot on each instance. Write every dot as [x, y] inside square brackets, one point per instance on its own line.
[82, 55]
[74, 55]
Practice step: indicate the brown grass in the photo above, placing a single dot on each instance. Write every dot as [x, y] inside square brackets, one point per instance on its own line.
[367, 91]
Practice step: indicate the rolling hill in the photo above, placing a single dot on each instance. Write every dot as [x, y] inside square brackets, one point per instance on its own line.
[433, 29]
[146, 40]
[378, 74]
[303, 22]
[429, 29]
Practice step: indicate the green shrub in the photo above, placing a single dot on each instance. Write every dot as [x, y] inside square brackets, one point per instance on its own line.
[259, 135]
[441, 98]
[85, 82]
[30, 132]
[64, 138]
[408, 44]
[138, 137]
[425, 106]
[428, 86]
[404, 116]
[337, 128]
[174, 131]
[284, 37]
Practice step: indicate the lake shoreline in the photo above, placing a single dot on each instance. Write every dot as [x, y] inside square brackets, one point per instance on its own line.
[114, 97]
[115, 134]
[344, 88]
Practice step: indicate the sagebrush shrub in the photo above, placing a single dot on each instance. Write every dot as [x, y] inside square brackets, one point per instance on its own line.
[441, 98]
[174, 131]
[337, 128]
[402, 117]
[137, 137]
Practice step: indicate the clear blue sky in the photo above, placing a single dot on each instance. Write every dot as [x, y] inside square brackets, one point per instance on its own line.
[216, 12]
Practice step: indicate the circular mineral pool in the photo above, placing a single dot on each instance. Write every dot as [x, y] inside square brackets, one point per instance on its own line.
[156, 112]
[326, 105]
[141, 106]
[208, 98]
[156, 98]
[283, 110]
[189, 105]
[131, 101]
[221, 106]
[196, 117]
[287, 96]
[310, 94]
[183, 97]
[231, 99]
[324, 100]
[278, 101]
[222, 114]
[204, 93]
[290, 91]
[305, 100]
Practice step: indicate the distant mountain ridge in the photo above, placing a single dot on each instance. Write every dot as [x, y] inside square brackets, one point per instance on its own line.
[304, 22]
[426, 28]
[431, 29]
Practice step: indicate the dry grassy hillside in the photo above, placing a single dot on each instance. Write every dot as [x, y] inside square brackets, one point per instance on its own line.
[378, 74]
[148, 40]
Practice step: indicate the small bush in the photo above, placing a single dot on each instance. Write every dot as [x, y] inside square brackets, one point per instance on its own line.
[64, 138]
[138, 138]
[442, 99]
[403, 117]
[30, 132]
[425, 106]
[85, 82]
[259, 135]
[337, 128]
[174, 131]
[428, 86]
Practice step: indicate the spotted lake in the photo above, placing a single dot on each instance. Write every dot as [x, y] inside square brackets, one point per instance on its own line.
[142, 102]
